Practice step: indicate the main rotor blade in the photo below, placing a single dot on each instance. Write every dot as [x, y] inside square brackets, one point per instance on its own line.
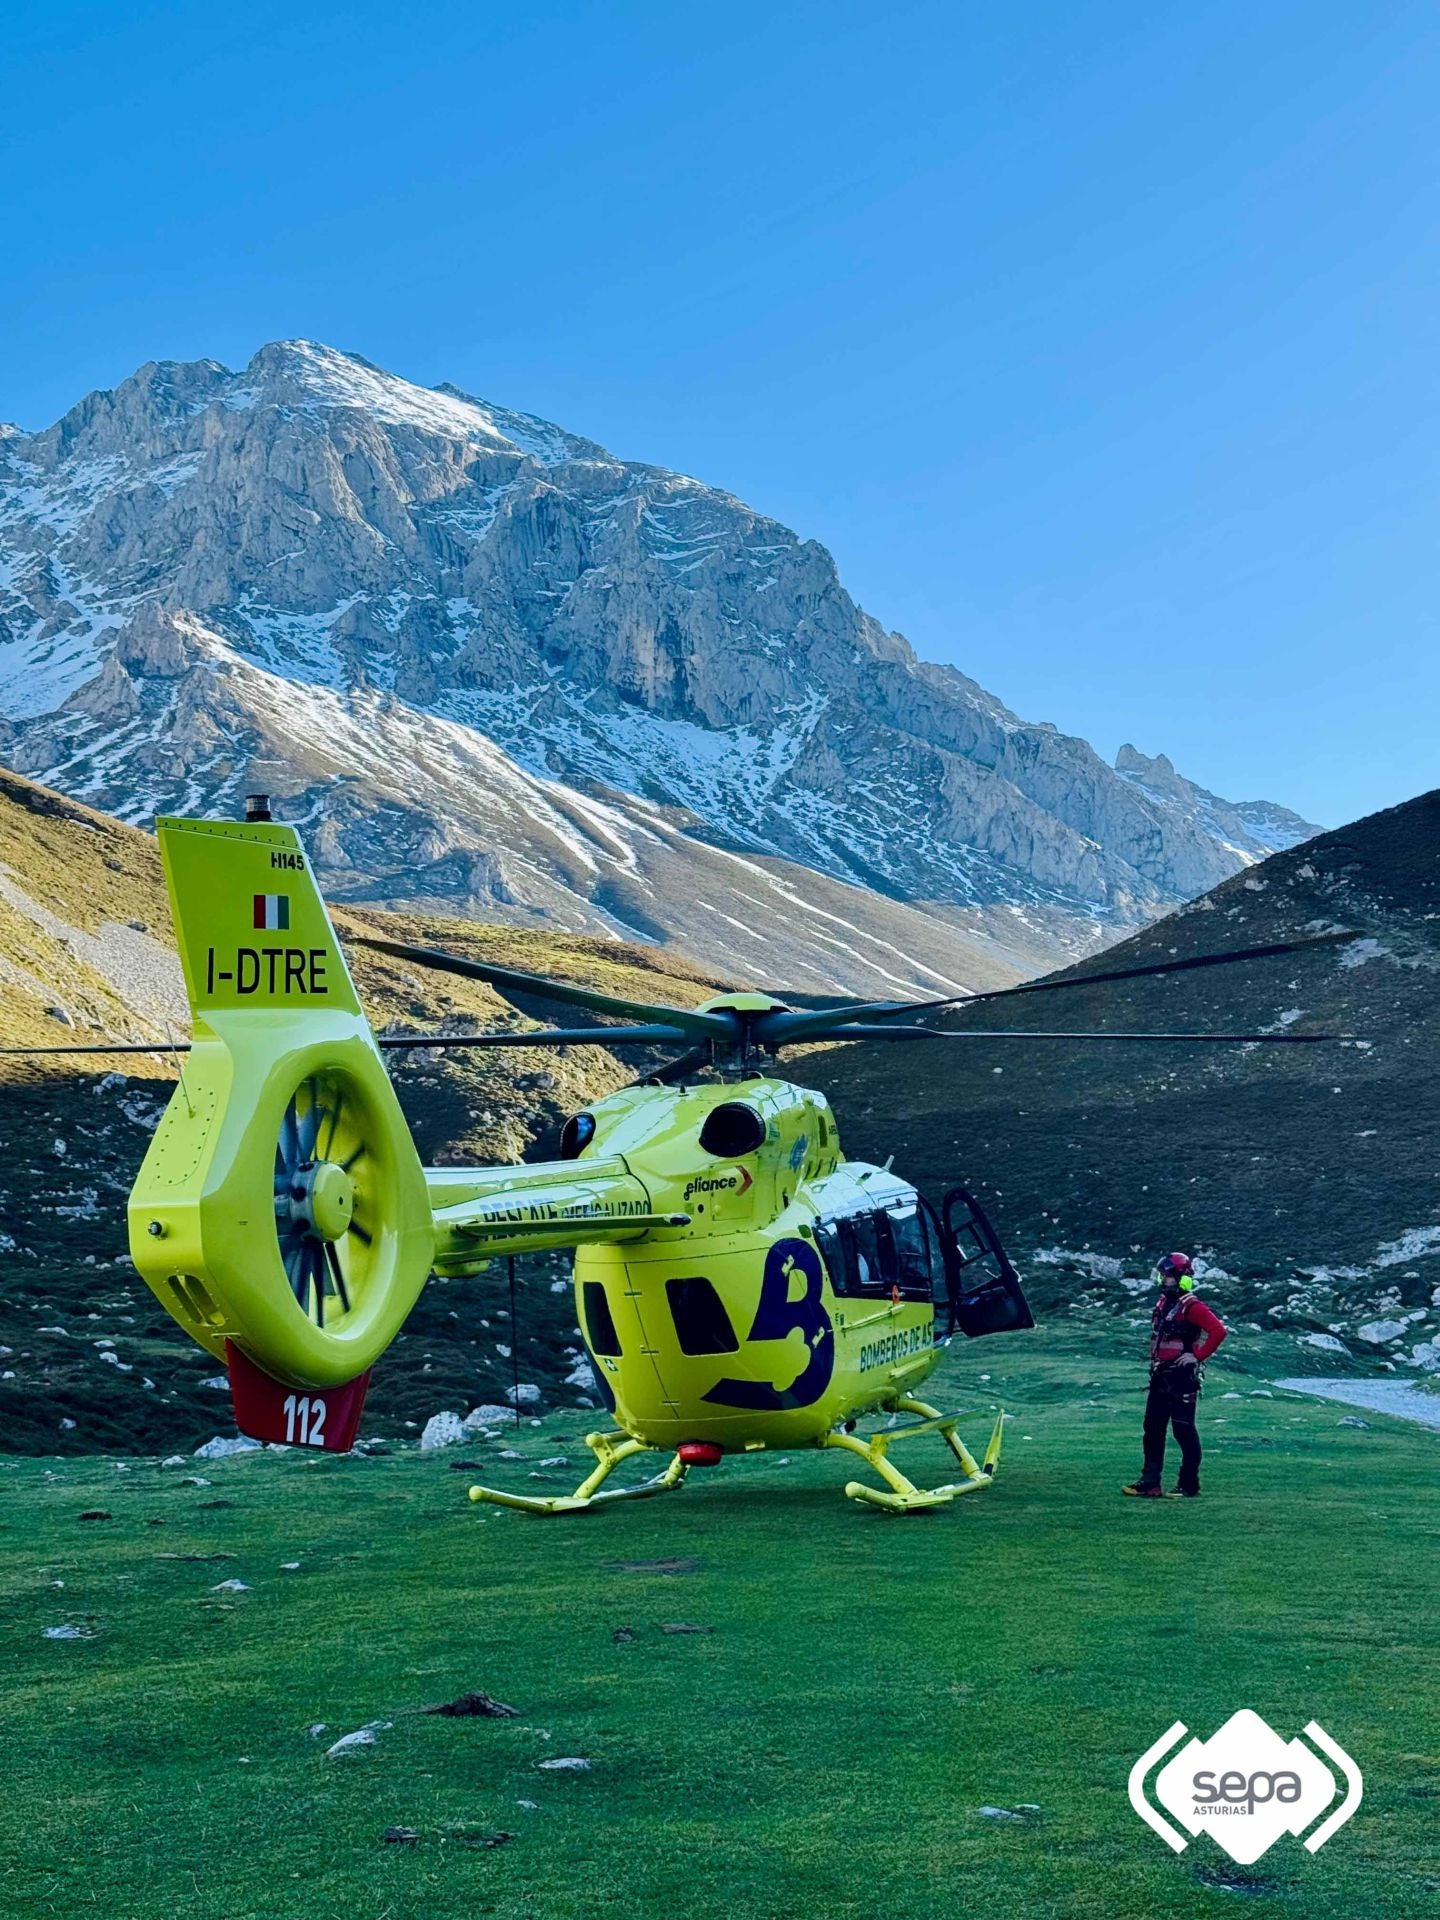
[859, 1031]
[681, 1069]
[649, 1036]
[783, 1026]
[508, 981]
[656, 1035]
[109, 1046]
[1274, 948]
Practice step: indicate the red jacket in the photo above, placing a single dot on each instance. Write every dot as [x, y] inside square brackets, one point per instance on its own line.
[1180, 1326]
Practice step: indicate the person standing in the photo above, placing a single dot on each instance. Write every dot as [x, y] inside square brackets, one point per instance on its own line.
[1183, 1335]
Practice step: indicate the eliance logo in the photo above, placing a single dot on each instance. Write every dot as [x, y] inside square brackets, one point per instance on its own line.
[733, 1180]
[1245, 1786]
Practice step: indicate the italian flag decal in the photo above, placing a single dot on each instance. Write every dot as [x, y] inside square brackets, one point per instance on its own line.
[272, 913]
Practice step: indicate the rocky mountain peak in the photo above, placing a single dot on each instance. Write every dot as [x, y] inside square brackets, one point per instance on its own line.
[505, 668]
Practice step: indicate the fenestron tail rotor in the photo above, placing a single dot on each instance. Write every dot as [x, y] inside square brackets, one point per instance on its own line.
[320, 1199]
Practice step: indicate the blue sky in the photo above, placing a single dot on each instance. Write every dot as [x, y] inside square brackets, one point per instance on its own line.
[1097, 341]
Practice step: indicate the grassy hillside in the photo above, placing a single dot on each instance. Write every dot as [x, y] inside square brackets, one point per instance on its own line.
[86, 952]
[1310, 1175]
[847, 1697]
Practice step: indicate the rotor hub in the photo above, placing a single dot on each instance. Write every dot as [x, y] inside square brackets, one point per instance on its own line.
[321, 1197]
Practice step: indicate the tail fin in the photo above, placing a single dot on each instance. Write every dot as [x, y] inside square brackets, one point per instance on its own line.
[281, 1208]
[252, 928]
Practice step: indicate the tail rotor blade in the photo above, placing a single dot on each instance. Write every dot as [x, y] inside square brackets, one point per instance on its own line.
[332, 1260]
[310, 1125]
[290, 1136]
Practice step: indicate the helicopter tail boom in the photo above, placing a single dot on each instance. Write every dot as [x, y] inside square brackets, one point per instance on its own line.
[484, 1211]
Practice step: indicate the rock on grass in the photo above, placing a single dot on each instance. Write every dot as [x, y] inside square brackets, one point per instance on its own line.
[365, 1736]
[475, 1705]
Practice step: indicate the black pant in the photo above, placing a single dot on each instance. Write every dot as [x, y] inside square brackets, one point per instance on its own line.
[1171, 1403]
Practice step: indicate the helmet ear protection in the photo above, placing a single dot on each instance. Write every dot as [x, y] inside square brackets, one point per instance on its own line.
[1187, 1283]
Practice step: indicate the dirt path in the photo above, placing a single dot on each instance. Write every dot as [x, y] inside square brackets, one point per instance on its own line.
[1380, 1396]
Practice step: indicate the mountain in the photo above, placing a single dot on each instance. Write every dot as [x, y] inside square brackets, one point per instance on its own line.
[1308, 1176]
[487, 664]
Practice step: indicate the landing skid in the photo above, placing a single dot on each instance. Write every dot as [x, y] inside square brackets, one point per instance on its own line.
[609, 1450]
[904, 1496]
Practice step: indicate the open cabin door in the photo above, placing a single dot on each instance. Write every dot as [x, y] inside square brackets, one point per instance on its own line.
[985, 1291]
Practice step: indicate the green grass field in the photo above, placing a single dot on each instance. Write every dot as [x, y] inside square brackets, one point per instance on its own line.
[864, 1684]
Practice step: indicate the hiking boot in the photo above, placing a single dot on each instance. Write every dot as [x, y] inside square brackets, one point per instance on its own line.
[1139, 1491]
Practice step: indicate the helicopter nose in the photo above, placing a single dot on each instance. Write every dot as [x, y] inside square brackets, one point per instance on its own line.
[700, 1453]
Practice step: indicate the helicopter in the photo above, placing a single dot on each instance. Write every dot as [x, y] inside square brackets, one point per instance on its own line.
[740, 1285]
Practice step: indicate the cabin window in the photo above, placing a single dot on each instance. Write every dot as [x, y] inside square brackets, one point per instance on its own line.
[852, 1255]
[862, 1259]
[870, 1255]
[599, 1321]
[916, 1254]
[701, 1322]
[832, 1252]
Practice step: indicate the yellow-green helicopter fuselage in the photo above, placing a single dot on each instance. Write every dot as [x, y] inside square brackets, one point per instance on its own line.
[739, 1285]
[799, 1292]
